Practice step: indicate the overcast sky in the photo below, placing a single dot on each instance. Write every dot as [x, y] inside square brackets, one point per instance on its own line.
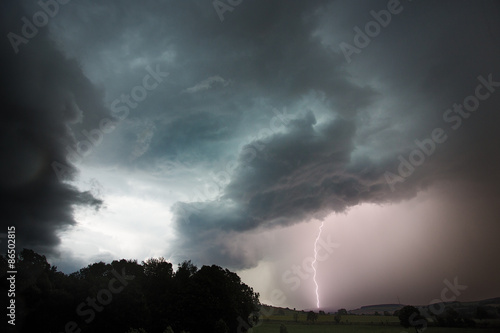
[227, 132]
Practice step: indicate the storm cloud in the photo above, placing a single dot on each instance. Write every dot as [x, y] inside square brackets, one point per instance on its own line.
[263, 124]
[352, 157]
[43, 95]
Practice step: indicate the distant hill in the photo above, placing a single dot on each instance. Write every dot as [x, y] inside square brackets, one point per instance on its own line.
[463, 314]
[380, 308]
[467, 308]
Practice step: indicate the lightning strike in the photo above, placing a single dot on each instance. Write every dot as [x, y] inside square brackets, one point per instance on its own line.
[314, 262]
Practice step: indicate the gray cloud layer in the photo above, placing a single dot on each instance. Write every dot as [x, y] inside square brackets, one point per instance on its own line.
[426, 60]
[348, 122]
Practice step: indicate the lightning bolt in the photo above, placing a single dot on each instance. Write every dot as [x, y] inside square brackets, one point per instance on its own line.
[314, 262]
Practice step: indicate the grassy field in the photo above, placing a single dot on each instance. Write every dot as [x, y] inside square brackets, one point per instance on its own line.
[349, 324]
[274, 327]
[346, 319]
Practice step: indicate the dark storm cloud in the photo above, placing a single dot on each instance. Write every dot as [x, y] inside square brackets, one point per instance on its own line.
[263, 49]
[225, 77]
[42, 92]
[305, 172]
[428, 59]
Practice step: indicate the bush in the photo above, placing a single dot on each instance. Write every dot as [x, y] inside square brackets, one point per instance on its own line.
[312, 316]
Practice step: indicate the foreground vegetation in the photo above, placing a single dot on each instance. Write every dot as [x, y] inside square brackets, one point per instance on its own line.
[128, 297]
[125, 296]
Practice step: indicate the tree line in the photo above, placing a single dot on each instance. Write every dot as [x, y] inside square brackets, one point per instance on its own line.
[127, 296]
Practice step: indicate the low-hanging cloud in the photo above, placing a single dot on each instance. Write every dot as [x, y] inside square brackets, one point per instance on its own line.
[303, 173]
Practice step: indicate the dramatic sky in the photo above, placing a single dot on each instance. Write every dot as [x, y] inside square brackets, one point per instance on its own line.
[226, 132]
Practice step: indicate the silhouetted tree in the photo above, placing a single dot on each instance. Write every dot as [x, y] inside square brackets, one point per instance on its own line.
[224, 296]
[127, 296]
[337, 318]
[39, 293]
[312, 316]
[186, 269]
[410, 316]
[159, 287]
[342, 311]
[157, 268]
[451, 318]
[283, 329]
